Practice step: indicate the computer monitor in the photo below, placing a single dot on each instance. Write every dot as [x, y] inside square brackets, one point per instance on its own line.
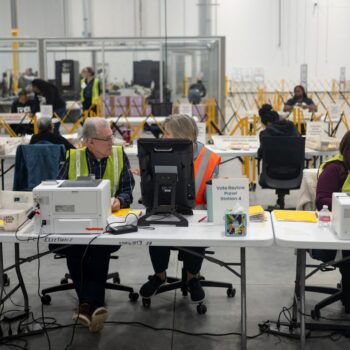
[167, 179]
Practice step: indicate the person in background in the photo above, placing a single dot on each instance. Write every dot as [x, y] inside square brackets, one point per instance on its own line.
[22, 104]
[334, 176]
[90, 90]
[46, 134]
[88, 265]
[4, 85]
[274, 126]
[300, 99]
[52, 97]
[206, 165]
[197, 90]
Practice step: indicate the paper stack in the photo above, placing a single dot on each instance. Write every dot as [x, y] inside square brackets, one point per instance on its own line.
[256, 213]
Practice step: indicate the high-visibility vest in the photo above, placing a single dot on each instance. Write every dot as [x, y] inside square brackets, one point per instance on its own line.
[204, 166]
[339, 158]
[78, 166]
[95, 91]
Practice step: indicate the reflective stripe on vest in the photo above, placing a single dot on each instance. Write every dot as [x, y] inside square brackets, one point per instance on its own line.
[204, 166]
[95, 92]
[78, 166]
[337, 158]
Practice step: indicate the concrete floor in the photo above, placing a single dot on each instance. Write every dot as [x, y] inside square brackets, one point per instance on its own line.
[270, 277]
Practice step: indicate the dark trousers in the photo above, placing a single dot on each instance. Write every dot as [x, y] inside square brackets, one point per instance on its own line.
[160, 259]
[88, 268]
[344, 268]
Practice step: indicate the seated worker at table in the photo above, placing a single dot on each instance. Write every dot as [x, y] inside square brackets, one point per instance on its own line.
[300, 99]
[334, 176]
[88, 266]
[22, 104]
[206, 165]
[274, 126]
[45, 133]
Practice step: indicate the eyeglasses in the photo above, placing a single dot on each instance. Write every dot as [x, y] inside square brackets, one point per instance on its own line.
[108, 139]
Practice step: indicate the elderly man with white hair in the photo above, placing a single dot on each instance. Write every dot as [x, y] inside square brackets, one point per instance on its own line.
[88, 266]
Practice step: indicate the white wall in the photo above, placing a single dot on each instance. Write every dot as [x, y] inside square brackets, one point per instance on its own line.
[313, 34]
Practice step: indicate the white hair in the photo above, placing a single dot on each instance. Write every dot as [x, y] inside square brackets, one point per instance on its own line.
[44, 124]
[91, 126]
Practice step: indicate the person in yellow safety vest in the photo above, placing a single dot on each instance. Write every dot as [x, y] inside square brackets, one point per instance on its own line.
[90, 89]
[88, 267]
[334, 176]
[206, 165]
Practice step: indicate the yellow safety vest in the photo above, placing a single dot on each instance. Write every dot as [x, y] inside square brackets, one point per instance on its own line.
[95, 91]
[78, 166]
[339, 158]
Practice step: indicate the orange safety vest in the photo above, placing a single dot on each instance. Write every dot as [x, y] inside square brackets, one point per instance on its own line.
[204, 166]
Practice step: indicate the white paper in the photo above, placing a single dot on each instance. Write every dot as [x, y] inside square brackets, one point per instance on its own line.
[226, 194]
[202, 135]
[46, 111]
[185, 108]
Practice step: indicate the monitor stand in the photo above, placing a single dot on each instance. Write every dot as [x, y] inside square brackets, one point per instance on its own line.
[164, 181]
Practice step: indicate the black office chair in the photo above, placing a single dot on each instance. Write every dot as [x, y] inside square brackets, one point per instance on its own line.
[335, 294]
[282, 165]
[174, 283]
[66, 285]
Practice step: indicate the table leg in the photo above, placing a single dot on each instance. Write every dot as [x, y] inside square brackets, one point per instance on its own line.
[2, 281]
[20, 278]
[2, 175]
[302, 265]
[243, 301]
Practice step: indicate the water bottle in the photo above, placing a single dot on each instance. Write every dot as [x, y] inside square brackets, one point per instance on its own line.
[324, 217]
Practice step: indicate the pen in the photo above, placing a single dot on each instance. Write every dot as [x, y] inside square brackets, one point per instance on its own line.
[202, 219]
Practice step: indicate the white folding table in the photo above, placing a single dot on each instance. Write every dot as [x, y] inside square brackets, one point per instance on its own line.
[303, 236]
[197, 234]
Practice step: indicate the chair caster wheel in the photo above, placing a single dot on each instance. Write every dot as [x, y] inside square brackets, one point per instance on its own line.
[133, 297]
[315, 314]
[116, 280]
[201, 309]
[6, 279]
[64, 281]
[231, 292]
[46, 299]
[146, 302]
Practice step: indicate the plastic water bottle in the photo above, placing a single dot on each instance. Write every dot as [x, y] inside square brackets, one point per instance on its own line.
[324, 217]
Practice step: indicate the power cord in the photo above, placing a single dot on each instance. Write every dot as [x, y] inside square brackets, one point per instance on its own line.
[81, 288]
[39, 294]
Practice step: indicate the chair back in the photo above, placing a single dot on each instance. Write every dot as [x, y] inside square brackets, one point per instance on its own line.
[282, 162]
[36, 163]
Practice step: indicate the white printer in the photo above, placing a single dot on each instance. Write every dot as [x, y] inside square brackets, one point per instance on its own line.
[72, 206]
[341, 214]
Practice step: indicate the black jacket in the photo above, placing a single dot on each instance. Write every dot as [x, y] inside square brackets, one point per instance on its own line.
[52, 138]
[52, 96]
[279, 128]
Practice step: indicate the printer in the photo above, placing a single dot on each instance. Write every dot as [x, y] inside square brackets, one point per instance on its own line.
[72, 206]
[341, 214]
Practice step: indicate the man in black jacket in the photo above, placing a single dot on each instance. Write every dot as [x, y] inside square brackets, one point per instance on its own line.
[52, 97]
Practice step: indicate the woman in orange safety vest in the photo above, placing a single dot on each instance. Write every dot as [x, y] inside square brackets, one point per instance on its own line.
[206, 165]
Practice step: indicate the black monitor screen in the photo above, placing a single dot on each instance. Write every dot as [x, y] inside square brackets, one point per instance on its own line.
[167, 156]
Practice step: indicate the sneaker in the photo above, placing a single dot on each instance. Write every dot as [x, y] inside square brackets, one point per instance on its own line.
[98, 319]
[83, 314]
[196, 290]
[150, 288]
